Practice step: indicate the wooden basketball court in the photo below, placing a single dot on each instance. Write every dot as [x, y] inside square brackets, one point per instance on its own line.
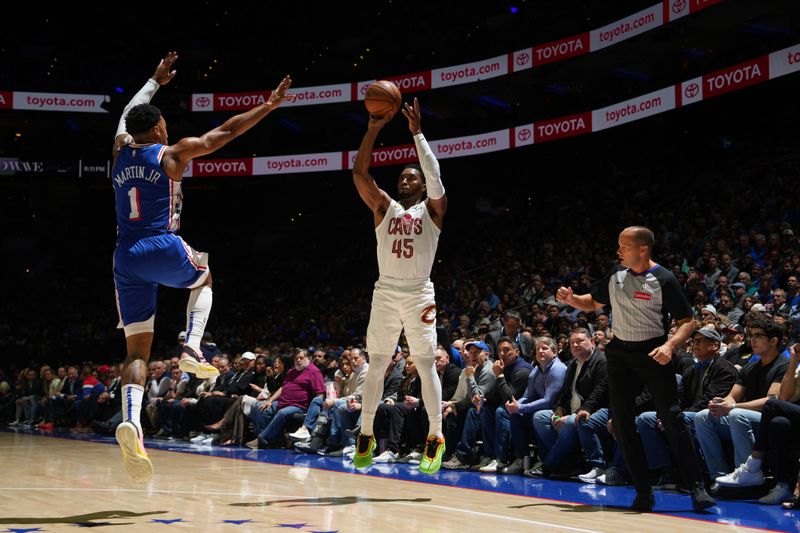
[58, 484]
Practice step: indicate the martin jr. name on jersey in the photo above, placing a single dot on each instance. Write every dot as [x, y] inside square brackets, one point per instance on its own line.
[137, 172]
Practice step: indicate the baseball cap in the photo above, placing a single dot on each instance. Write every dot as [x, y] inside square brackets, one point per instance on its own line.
[759, 307]
[332, 354]
[709, 333]
[249, 356]
[182, 336]
[710, 308]
[738, 285]
[480, 344]
[788, 232]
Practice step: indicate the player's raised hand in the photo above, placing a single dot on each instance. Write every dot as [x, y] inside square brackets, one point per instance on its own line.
[163, 74]
[277, 96]
[377, 122]
[414, 116]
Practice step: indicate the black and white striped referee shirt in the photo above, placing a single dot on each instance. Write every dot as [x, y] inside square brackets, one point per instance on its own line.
[643, 304]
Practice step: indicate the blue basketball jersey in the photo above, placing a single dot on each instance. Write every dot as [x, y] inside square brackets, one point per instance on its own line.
[148, 202]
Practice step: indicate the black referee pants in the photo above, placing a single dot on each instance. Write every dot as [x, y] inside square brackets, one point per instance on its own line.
[630, 368]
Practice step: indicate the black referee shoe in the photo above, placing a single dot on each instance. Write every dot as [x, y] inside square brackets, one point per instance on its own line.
[644, 502]
[700, 498]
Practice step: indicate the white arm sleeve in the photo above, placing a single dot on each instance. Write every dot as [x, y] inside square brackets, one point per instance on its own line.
[430, 167]
[144, 96]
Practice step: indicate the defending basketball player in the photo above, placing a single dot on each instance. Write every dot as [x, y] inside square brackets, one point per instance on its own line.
[407, 232]
[146, 176]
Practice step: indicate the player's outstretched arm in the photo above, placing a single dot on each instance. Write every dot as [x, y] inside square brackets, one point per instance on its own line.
[162, 76]
[178, 155]
[437, 201]
[375, 198]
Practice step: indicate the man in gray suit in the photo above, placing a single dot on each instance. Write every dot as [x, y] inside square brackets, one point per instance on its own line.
[512, 327]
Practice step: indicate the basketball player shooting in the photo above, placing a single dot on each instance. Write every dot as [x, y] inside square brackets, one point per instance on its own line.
[146, 177]
[407, 232]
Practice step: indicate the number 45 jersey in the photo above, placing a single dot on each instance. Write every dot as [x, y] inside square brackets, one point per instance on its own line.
[407, 241]
[147, 201]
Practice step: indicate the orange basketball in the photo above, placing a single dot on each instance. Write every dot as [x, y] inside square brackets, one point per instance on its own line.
[382, 98]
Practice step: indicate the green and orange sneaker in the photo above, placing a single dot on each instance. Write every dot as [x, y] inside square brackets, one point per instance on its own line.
[365, 445]
[431, 460]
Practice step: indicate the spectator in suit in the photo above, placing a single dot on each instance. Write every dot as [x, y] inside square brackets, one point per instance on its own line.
[512, 327]
[62, 404]
[583, 397]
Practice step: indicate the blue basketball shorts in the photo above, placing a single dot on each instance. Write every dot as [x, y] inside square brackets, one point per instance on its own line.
[141, 266]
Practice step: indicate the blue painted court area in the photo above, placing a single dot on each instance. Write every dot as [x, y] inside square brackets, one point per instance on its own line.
[735, 513]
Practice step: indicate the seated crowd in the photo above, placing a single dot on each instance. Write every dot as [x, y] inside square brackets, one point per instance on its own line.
[513, 402]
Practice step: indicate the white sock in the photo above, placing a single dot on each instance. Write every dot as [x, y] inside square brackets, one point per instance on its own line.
[197, 311]
[373, 390]
[752, 464]
[431, 391]
[132, 404]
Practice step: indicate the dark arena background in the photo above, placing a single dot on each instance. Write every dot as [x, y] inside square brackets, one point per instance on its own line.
[556, 123]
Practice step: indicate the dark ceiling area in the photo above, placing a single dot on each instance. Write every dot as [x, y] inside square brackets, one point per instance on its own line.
[230, 48]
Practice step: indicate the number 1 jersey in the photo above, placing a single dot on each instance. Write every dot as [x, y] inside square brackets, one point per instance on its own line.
[407, 241]
[148, 202]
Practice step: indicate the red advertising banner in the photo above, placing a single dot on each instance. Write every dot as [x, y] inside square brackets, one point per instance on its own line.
[562, 49]
[736, 77]
[237, 101]
[558, 128]
[774, 65]
[223, 167]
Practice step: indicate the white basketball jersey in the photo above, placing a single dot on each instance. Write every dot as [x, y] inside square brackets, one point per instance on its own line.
[407, 241]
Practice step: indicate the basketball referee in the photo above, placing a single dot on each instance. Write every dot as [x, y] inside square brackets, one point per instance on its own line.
[644, 297]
